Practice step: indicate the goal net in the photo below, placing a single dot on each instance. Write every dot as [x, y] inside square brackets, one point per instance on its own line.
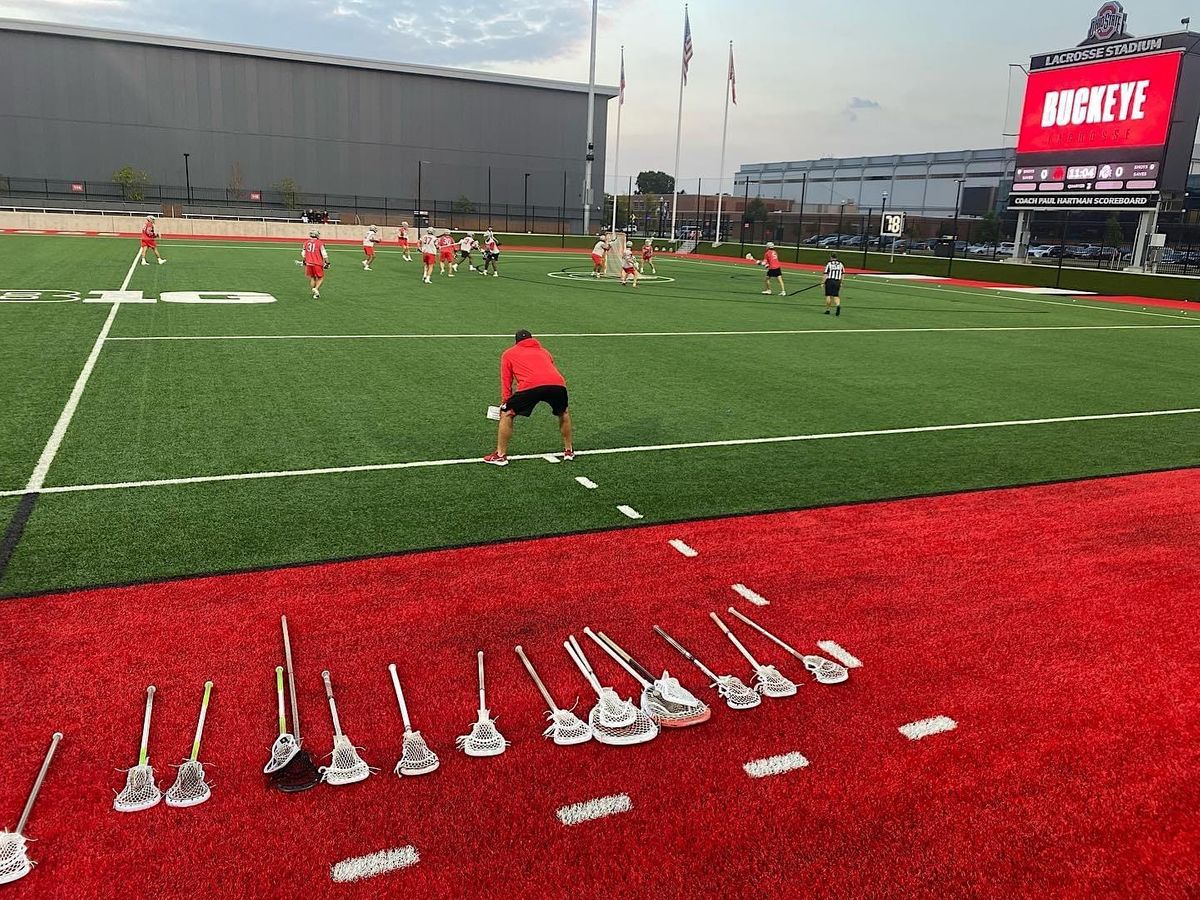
[616, 247]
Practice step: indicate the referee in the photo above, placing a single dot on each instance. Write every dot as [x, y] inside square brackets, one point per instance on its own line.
[834, 273]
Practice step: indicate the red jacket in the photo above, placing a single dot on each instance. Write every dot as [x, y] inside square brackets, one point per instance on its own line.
[530, 364]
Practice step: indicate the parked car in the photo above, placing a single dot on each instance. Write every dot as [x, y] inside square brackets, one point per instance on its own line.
[1044, 251]
[1006, 248]
[980, 249]
[1084, 251]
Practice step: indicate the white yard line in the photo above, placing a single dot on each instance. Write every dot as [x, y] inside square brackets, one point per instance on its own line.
[629, 511]
[38, 478]
[586, 482]
[608, 451]
[683, 548]
[625, 334]
[753, 596]
[914, 731]
[775, 765]
[356, 868]
[598, 808]
[840, 653]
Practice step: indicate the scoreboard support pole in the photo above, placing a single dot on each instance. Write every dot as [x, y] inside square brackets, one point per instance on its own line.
[1022, 237]
[1147, 225]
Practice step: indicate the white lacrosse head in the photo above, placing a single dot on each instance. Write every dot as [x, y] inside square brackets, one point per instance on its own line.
[190, 788]
[639, 729]
[415, 756]
[484, 739]
[345, 765]
[737, 695]
[612, 710]
[826, 671]
[14, 863]
[283, 751]
[770, 682]
[669, 704]
[140, 791]
[566, 728]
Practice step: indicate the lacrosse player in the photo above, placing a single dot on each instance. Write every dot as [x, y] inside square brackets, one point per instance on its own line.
[465, 246]
[648, 257]
[628, 266]
[599, 257]
[445, 245]
[150, 242]
[316, 261]
[402, 238]
[428, 254]
[770, 262]
[370, 239]
[491, 255]
[538, 381]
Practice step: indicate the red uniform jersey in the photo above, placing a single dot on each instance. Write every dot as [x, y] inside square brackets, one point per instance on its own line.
[314, 252]
[647, 252]
[771, 259]
[149, 235]
[530, 364]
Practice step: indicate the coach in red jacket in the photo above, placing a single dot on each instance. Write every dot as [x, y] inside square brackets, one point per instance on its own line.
[538, 381]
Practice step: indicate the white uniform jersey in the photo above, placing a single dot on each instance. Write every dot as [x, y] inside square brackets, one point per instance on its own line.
[627, 258]
[467, 244]
[369, 239]
[600, 249]
[428, 243]
[834, 270]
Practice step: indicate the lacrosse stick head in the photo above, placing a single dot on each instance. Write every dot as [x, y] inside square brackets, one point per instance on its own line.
[611, 710]
[737, 695]
[484, 739]
[140, 791]
[298, 775]
[672, 705]
[415, 756]
[636, 728]
[283, 751]
[345, 765]
[826, 671]
[190, 788]
[14, 862]
[770, 682]
[566, 728]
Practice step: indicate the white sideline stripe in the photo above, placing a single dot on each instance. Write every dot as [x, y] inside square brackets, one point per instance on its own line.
[629, 511]
[624, 334]
[586, 482]
[840, 653]
[356, 868]
[594, 809]
[38, 478]
[775, 765]
[683, 548]
[647, 448]
[914, 731]
[896, 276]
[753, 596]
[1047, 291]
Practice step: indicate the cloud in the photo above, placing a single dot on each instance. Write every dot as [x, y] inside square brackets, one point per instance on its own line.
[858, 104]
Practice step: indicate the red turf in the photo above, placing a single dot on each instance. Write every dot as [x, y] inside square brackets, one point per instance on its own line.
[1055, 624]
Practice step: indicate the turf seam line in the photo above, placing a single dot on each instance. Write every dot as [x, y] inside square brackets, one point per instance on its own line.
[921, 728]
[752, 596]
[607, 451]
[629, 511]
[15, 530]
[357, 868]
[631, 334]
[598, 808]
[775, 765]
[840, 653]
[683, 548]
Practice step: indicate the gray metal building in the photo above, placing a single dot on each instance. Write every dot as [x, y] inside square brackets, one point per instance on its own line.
[80, 103]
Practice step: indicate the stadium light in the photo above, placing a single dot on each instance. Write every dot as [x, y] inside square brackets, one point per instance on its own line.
[420, 164]
[954, 240]
[187, 176]
[527, 174]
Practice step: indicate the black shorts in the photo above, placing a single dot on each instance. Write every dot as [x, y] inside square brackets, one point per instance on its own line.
[464, 254]
[491, 255]
[833, 288]
[774, 273]
[522, 402]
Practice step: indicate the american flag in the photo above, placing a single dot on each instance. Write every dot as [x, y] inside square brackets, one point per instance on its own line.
[621, 89]
[687, 44]
[732, 76]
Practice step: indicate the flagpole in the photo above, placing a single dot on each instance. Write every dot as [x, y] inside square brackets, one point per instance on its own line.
[617, 155]
[591, 115]
[724, 133]
[678, 137]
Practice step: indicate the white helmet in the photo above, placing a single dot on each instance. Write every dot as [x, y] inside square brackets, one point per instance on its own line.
[770, 245]
[314, 233]
[150, 218]
[403, 224]
[372, 228]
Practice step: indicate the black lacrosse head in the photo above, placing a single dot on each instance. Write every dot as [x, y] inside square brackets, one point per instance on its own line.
[298, 775]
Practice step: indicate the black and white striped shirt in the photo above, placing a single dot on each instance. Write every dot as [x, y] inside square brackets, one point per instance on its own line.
[834, 270]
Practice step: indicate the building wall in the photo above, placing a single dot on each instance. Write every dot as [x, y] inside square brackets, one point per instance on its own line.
[74, 107]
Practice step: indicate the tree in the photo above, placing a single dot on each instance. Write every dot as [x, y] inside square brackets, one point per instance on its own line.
[236, 188]
[989, 228]
[756, 211]
[133, 182]
[1114, 235]
[655, 183]
[462, 205]
[290, 191]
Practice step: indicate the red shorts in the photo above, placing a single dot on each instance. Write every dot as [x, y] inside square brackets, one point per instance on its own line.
[598, 260]
[403, 243]
[150, 242]
[447, 254]
[647, 256]
[370, 251]
[427, 258]
[314, 271]
[629, 270]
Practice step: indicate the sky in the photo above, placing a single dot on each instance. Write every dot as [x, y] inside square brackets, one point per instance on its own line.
[813, 78]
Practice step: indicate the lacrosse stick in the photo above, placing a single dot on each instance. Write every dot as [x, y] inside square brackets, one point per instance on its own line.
[190, 788]
[825, 671]
[484, 739]
[14, 863]
[768, 680]
[140, 791]
[566, 728]
[613, 720]
[345, 765]
[415, 756]
[732, 688]
[285, 746]
[299, 773]
[664, 700]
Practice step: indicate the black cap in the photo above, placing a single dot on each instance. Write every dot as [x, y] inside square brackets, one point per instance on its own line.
[523, 335]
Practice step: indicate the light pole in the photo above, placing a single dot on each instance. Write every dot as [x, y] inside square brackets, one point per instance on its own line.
[527, 174]
[954, 240]
[882, 216]
[841, 214]
[187, 176]
[418, 210]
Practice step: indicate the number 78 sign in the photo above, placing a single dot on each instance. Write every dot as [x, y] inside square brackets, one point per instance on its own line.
[892, 225]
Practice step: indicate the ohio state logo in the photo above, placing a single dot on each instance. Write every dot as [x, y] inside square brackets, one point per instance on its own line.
[1108, 23]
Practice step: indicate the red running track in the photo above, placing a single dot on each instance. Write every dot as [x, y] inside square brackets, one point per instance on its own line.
[1055, 624]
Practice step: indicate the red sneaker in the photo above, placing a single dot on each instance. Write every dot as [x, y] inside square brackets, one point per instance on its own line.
[496, 459]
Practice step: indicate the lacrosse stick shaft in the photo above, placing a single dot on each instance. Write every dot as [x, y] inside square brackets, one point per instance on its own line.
[279, 695]
[536, 680]
[482, 697]
[208, 686]
[400, 696]
[642, 670]
[766, 634]
[576, 653]
[37, 783]
[337, 726]
[683, 651]
[604, 645]
[143, 752]
[733, 637]
[291, 674]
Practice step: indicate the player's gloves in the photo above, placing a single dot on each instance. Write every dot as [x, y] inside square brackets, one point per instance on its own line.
[328, 263]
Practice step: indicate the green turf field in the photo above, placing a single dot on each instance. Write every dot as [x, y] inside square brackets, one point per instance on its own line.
[300, 384]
